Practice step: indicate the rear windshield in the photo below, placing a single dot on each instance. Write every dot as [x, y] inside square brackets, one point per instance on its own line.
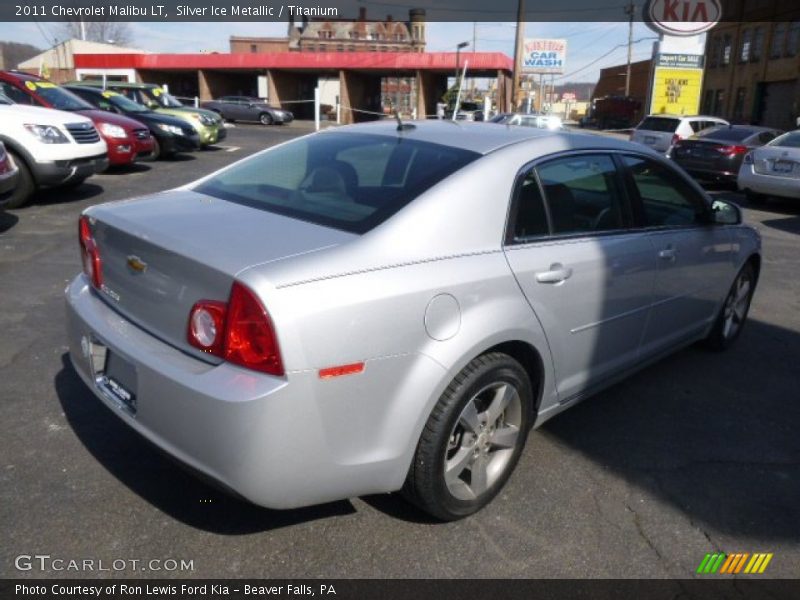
[659, 124]
[787, 140]
[347, 181]
[725, 134]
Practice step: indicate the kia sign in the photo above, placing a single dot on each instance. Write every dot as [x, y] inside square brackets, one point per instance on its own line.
[681, 17]
[544, 56]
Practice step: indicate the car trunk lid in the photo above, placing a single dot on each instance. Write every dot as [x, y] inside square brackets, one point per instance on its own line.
[163, 253]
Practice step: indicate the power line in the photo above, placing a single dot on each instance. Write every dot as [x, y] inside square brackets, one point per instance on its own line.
[597, 60]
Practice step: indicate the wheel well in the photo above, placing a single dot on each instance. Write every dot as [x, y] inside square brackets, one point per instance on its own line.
[530, 359]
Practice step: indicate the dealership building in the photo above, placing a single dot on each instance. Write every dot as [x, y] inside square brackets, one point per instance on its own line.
[752, 72]
[364, 66]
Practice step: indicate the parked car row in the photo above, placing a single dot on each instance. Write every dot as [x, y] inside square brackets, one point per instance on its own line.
[760, 161]
[58, 135]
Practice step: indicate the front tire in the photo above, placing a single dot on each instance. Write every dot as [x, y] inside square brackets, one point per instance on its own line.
[733, 314]
[473, 438]
[265, 119]
[25, 186]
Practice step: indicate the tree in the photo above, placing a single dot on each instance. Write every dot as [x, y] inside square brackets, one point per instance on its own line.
[12, 53]
[108, 32]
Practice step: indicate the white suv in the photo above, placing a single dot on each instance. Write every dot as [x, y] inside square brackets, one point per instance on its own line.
[661, 132]
[50, 147]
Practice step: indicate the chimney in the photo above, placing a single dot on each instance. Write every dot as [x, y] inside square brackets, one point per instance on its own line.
[362, 13]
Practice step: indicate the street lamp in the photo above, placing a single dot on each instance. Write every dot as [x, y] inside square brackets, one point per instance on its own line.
[458, 58]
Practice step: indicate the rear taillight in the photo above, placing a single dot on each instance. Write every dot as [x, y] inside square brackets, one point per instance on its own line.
[732, 149]
[676, 138]
[90, 255]
[250, 339]
[207, 326]
[240, 331]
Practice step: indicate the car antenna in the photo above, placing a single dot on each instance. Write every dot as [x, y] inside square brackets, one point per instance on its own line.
[400, 125]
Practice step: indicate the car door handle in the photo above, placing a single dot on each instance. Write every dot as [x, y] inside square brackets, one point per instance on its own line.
[557, 274]
[667, 254]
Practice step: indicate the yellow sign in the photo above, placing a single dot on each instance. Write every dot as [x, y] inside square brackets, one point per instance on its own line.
[30, 85]
[109, 94]
[676, 91]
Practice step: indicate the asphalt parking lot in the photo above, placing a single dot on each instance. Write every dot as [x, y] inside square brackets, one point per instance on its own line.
[698, 453]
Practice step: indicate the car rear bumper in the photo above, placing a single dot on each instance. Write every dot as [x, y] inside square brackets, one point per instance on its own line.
[770, 185]
[58, 172]
[706, 174]
[281, 442]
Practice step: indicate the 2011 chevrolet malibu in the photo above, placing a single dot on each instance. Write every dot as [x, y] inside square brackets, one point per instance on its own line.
[394, 307]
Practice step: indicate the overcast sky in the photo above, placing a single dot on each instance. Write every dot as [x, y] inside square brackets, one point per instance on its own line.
[586, 42]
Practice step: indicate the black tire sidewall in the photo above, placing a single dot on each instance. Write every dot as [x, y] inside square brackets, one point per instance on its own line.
[716, 339]
[24, 188]
[480, 373]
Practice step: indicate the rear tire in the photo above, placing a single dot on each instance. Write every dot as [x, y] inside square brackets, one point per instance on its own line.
[156, 153]
[733, 314]
[265, 119]
[473, 438]
[25, 185]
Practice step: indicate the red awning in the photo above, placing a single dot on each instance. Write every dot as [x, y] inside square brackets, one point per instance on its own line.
[312, 61]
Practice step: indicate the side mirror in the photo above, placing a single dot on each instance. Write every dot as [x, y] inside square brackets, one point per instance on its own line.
[725, 213]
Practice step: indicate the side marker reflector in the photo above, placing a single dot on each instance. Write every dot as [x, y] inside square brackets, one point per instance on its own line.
[341, 370]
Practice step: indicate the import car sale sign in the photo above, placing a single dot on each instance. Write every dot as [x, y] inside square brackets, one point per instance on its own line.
[544, 56]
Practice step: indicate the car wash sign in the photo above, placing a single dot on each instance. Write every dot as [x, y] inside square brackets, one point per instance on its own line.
[544, 56]
[681, 18]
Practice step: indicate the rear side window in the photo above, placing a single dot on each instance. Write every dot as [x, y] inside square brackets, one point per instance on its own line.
[787, 140]
[666, 200]
[347, 181]
[660, 124]
[530, 218]
[582, 194]
[15, 94]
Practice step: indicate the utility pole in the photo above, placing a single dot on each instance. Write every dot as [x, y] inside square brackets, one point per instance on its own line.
[517, 53]
[630, 10]
[83, 30]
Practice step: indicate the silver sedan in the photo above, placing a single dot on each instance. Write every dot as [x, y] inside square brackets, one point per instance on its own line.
[379, 307]
[772, 169]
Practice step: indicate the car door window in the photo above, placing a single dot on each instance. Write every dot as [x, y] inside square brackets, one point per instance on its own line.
[665, 199]
[529, 217]
[582, 194]
[15, 94]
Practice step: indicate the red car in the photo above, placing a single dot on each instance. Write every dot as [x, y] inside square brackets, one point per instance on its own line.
[127, 139]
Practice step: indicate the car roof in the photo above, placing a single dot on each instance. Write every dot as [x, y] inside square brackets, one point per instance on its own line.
[482, 138]
[20, 75]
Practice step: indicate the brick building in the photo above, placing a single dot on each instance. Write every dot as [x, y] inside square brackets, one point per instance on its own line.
[351, 35]
[753, 64]
[342, 35]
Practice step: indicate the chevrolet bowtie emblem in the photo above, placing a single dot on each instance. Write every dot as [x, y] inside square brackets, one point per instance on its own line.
[136, 264]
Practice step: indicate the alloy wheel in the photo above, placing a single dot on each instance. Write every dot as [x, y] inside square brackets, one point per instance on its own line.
[483, 440]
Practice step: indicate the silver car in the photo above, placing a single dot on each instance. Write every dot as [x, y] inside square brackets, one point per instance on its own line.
[772, 169]
[379, 307]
